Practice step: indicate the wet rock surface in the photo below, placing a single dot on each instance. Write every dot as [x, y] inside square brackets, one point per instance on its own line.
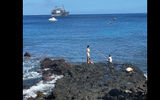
[99, 81]
[50, 67]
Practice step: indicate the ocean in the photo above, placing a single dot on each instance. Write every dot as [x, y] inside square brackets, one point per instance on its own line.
[123, 36]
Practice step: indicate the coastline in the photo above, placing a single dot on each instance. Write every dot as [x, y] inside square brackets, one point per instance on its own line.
[89, 79]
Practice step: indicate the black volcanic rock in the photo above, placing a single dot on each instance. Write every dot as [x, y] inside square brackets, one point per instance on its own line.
[58, 67]
[115, 92]
[99, 81]
[27, 54]
[46, 63]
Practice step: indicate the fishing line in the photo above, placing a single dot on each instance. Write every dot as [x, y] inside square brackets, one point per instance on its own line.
[100, 54]
[97, 51]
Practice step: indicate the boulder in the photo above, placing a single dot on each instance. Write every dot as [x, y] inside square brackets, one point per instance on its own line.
[57, 67]
[27, 54]
[46, 63]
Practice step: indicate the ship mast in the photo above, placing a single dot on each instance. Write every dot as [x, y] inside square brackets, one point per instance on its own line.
[63, 7]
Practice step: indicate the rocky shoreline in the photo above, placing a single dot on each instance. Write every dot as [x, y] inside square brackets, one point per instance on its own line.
[99, 81]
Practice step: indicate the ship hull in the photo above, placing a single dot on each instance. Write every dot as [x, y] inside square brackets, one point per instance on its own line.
[61, 14]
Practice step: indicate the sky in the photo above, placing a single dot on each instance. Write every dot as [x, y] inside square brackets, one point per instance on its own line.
[44, 7]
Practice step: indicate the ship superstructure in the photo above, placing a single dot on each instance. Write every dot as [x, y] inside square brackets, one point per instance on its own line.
[59, 12]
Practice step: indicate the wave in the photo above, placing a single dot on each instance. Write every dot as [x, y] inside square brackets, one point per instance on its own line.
[145, 75]
[30, 67]
[31, 75]
[44, 87]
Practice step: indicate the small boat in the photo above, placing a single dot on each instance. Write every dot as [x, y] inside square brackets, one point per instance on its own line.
[110, 23]
[52, 19]
[114, 19]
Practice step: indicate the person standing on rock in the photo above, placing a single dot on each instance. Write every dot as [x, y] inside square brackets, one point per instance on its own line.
[88, 54]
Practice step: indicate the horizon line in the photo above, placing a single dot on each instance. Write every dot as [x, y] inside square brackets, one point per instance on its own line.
[91, 13]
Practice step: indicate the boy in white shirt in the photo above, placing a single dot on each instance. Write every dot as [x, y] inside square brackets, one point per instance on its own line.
[110, 59]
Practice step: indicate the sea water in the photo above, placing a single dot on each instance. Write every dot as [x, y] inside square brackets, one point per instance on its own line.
[123, 36]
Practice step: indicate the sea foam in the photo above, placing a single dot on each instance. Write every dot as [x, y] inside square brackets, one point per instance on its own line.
[145, 75]
[30, 67]
[44, 87]
[31, 75]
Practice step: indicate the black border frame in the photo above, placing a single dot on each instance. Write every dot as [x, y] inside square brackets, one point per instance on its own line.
[18, 44]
